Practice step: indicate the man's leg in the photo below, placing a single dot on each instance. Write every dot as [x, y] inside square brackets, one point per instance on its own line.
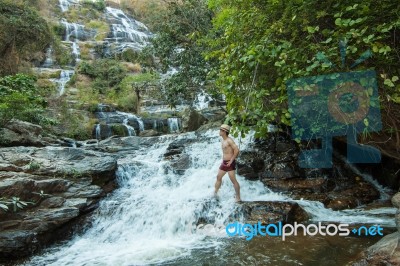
[219, 180]
[235, 184]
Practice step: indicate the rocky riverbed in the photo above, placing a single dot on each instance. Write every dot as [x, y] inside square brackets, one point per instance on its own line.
[62, 185]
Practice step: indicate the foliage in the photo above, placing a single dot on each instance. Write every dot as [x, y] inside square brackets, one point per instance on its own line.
[20, 98]
[260, 45]
[146, 11]
[101, 27]
[178, 45]
[125, 97]
[99, 5]
[106, 73]
[23, 32]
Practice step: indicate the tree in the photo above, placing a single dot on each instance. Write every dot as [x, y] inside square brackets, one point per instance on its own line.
[260, 45]
[22, 32]
[178, 44]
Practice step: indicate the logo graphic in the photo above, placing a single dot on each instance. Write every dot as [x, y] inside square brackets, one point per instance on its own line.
[338, 104]
[284, 230]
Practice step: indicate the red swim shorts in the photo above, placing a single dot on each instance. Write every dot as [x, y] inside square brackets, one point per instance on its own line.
[226, 168]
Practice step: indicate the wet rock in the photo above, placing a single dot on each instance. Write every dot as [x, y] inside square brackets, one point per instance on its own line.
[16, 243]
[357, 195]
[181, 164]
[272, 212]
[285, 185]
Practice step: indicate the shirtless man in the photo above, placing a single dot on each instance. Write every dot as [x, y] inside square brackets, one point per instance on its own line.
[230, 152]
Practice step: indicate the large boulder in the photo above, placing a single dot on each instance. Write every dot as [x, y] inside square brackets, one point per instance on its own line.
[268, 212]
[384, 252]
[54, 186]
[192, 120]
[20, 133]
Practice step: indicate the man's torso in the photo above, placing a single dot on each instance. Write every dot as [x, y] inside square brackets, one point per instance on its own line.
[227, 150]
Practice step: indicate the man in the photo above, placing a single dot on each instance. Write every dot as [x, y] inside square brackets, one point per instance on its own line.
[230, 151]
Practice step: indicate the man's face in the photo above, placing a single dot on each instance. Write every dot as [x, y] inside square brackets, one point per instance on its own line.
[221, 132]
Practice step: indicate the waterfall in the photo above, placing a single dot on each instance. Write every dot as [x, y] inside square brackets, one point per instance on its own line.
[131, 130]
[127, 32]
[202, 101]
[65, 76]
[98, 132]
[133, 117]
[48, 62]
[76, 52]
[174, 124]
[150, 218]
[65, 4]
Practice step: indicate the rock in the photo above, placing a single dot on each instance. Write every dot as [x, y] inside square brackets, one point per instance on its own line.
[24, 128]
[359, 194]
[101, 131]
[181, 163]
[214, 115]
[16, 243]
[396, 200]
[17, 187]
[11, 138]
[385, 252]
[148, 133]
[192, 120]
[22, 239]
[53, 202]
[397, 219]
[272, 212]
[283, 185]
[59, 183]
[283, 147]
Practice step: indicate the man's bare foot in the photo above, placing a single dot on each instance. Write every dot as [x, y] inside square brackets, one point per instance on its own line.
[238, 199]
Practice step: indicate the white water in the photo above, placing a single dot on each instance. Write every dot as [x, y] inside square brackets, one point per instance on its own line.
[65, 76]
[131, 130]
[98, 132]
[145, 221]
[202, 101]
[48, 62]
[134, 117]
[174, 124]
[126, 31]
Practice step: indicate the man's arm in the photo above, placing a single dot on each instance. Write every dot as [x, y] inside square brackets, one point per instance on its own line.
[235, 150]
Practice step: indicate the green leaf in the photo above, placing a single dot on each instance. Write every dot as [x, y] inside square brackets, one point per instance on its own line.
[388, 82]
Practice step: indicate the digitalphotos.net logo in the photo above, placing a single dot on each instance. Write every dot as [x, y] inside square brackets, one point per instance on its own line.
[337, 104]
[283, 231]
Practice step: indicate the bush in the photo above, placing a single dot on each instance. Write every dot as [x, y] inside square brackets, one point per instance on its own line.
[107, 73]
[20, 98]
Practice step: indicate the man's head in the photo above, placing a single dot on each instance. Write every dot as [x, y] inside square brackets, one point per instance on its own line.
[224, 129]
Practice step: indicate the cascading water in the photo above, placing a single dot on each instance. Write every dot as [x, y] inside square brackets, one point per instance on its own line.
[174, 124]
[132, 117]
[98, 131]
[126, 32]
[148, 220]
[131, 130]
[65, 76]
